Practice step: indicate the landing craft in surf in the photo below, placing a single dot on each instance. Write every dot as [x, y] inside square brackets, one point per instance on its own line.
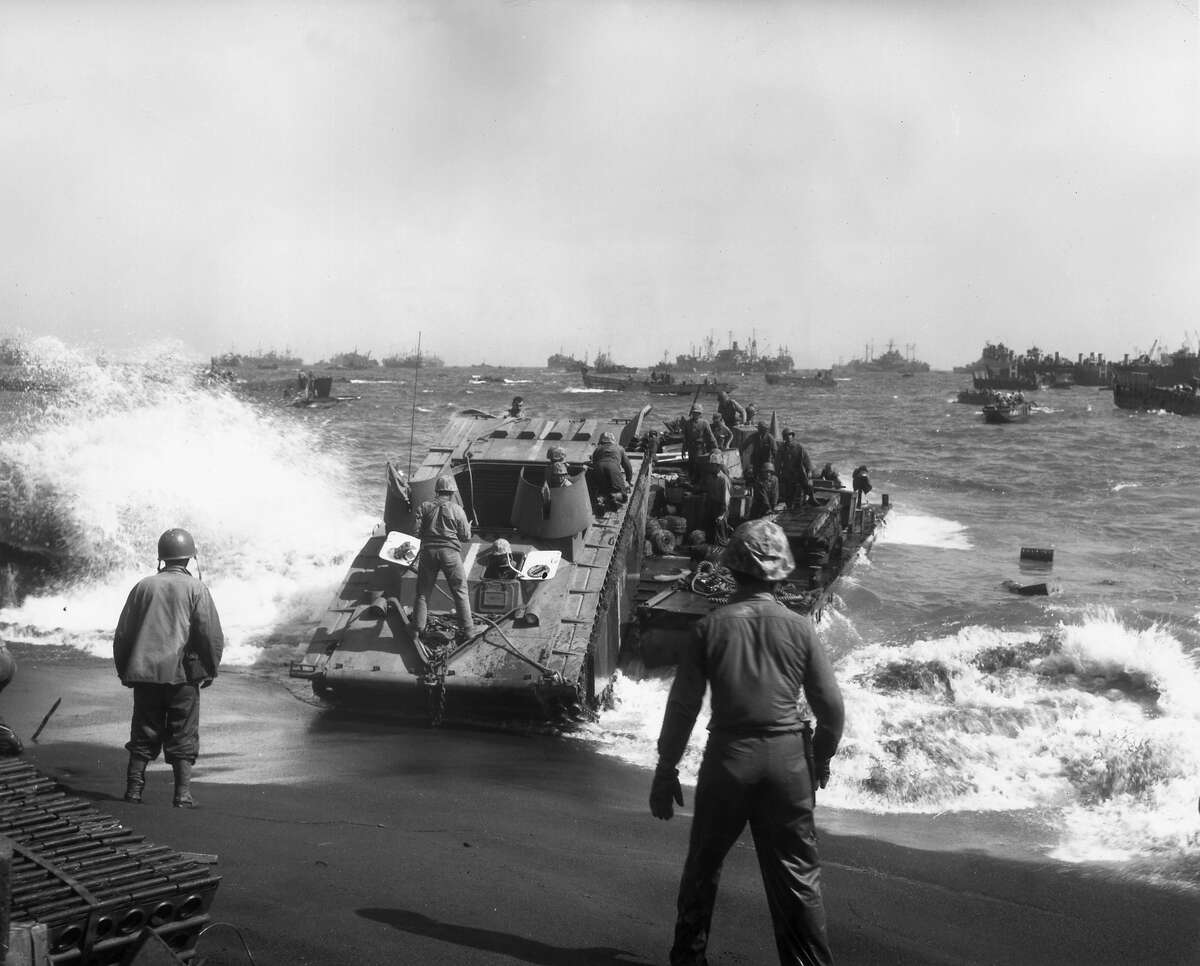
[675, 591]
[551, 623]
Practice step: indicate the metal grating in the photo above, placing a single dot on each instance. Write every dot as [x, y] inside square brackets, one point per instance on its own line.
[92, 882]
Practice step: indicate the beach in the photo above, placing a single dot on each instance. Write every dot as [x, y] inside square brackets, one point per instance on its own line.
[352, 840]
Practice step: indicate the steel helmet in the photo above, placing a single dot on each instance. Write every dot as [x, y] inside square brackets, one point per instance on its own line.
[176, 544]
[697, 408]
[445, 484]
[501, 547]
[759, 549]
[607, 437]
[556, 454]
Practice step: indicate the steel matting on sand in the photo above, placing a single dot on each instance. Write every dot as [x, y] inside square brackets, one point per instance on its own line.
[92, 882]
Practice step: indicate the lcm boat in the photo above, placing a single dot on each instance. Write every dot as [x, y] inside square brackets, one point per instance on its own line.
[552, 614]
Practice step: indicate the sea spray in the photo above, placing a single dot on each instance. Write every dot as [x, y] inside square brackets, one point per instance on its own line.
[1096, 722]
[126, 451]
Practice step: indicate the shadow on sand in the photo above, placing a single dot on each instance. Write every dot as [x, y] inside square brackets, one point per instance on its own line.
[489, 940]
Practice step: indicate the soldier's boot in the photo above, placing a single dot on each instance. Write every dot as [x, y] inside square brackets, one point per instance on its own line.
[10, 744]
[135, 779]
[183, 779]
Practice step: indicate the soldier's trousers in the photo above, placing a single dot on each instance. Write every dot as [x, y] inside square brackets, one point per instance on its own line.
[166, 718]
[762, 780]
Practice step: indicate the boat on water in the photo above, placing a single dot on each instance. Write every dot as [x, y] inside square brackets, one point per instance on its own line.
[551, 623]
[560, 361]
[1136, 390]
[1006, 407]
[891, 361]
[655, 383]
[820, 378]
[412, 360]
[565, 587]
[974, 396]
[826, 538]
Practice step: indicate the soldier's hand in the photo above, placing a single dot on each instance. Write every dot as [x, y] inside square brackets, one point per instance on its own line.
[823, 772]
[664, 790]
[206, 682]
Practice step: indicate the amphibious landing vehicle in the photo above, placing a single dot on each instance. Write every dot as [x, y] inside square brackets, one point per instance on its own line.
[825, 535]
[564, 585]
[551, 604]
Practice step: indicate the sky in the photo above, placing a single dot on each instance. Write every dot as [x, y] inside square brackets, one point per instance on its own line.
[507, 179]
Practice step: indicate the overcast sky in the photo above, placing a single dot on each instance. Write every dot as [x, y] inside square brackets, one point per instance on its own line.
[509, 178]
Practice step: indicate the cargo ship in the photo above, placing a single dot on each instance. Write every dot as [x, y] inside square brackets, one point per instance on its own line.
[892, 361]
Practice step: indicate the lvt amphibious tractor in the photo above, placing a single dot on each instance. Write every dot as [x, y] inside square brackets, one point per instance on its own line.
[582, 590]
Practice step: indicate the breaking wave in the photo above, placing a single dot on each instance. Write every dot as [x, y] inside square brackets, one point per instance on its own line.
[125, 450]
[1096, 723]
[920, 530]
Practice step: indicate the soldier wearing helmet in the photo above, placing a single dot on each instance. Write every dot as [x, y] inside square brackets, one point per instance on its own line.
[795, 469]
[611, 472]
[759, 456]
[517, 409]
[698, 439]
[757, 657]
[167, 647]
[443, 528]
[732, 411]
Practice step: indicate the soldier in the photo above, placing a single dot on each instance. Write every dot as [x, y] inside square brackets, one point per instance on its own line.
[795, 470]
[722, 433]
[757, 657]
[167, 647]
[730, 409]
[698, 439]
[443, 528]
[10, 744]
[611, 472]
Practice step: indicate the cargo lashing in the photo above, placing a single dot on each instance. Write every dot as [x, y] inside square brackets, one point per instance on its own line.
[92, 883]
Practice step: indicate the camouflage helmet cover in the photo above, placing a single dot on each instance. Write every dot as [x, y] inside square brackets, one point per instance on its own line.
[759, 549]
[607, 437]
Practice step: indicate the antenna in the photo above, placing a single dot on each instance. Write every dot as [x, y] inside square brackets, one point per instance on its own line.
[412, 425]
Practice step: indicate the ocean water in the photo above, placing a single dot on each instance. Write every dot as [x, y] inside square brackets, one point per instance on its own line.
[1074, 715]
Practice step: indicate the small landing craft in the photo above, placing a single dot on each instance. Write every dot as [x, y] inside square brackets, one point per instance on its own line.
[822, 379]
[1135, 390]
[1006, 407]
[551, 613]
[563, 586]
[656, 383]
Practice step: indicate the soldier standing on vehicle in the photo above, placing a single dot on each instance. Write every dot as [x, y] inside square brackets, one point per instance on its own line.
[730, 409]
[698, 439]
[795, 469]
[167, 647]
[757, 657]
[443, 528]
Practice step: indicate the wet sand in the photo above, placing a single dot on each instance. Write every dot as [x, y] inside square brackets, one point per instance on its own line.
[344, 840]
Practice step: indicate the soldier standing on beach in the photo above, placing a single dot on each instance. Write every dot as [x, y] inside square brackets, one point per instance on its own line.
[10, 744]
[167, 647]
[756, 656]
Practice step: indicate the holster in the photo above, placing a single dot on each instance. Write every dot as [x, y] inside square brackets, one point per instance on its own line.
[806, 731]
